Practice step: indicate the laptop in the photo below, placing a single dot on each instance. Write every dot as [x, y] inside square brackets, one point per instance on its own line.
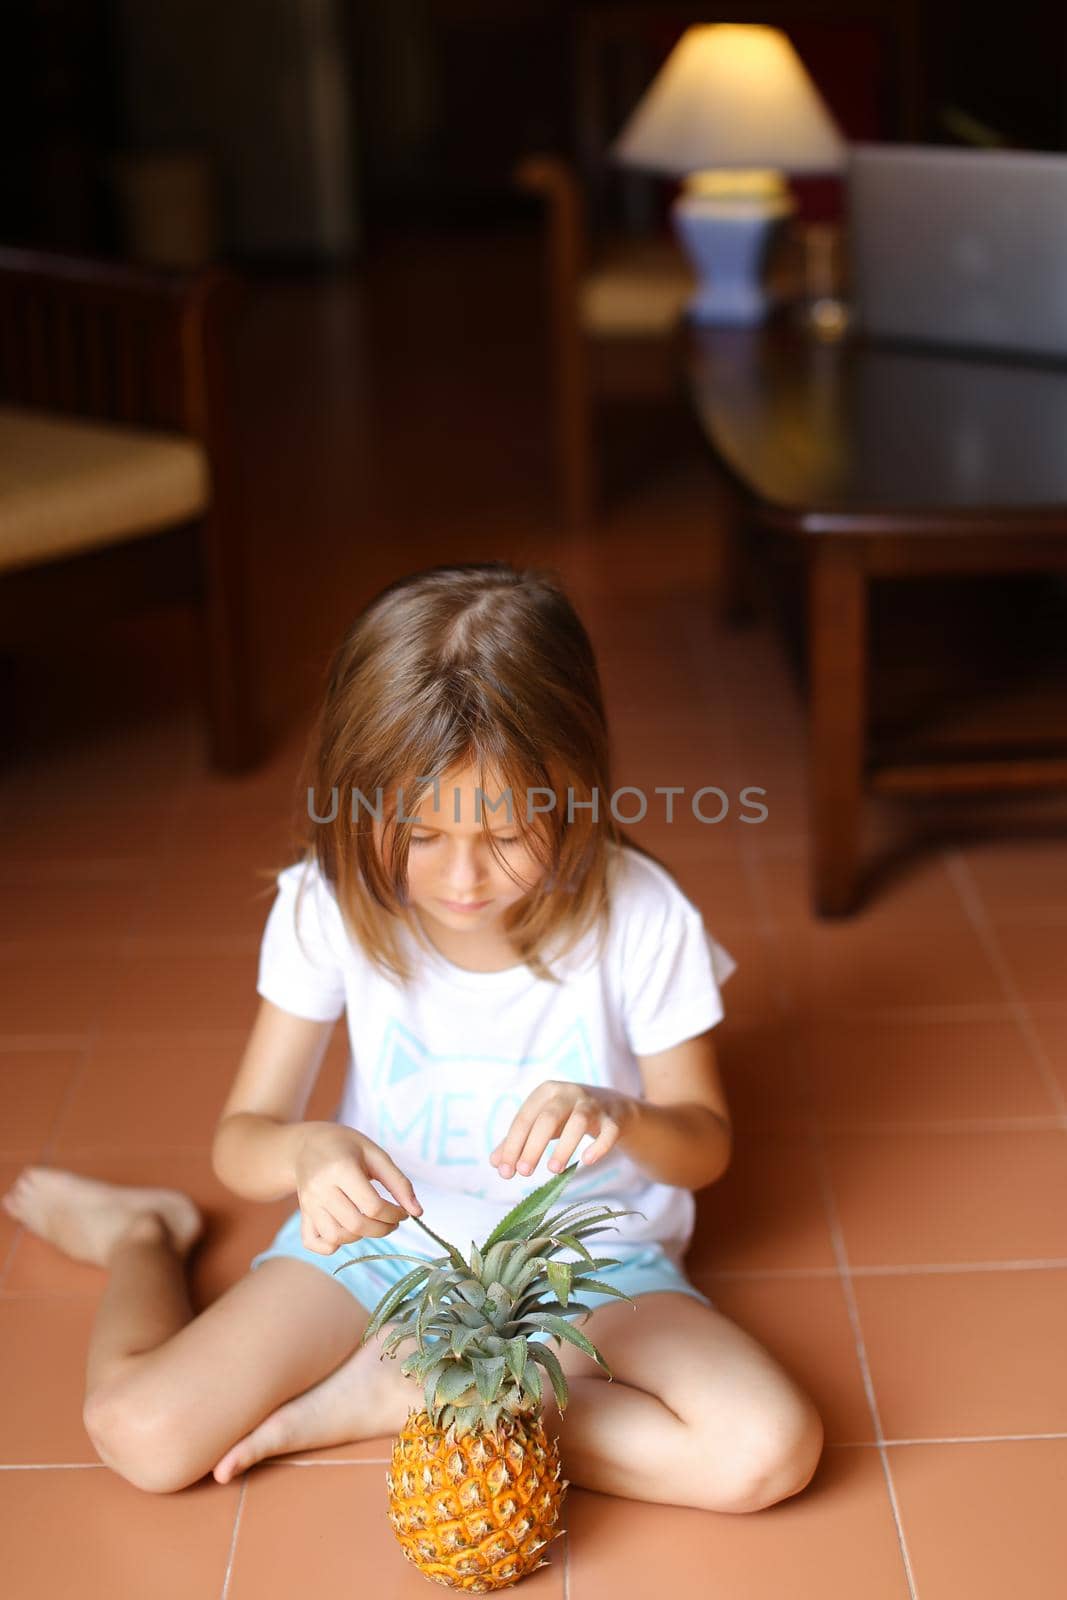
[959, 247]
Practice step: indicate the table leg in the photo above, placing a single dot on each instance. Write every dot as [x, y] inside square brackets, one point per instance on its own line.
[837, 693]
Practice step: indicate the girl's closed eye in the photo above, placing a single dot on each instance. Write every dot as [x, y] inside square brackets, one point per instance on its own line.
[430, 839]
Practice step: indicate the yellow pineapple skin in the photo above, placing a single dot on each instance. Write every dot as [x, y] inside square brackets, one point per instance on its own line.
[474, 1512]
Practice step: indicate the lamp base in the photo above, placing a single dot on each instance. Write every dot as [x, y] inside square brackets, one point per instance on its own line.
[726, 241]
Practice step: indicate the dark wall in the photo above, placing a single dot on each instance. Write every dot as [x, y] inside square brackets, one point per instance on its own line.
[1008, 70]
[446, 94]
[57, 121]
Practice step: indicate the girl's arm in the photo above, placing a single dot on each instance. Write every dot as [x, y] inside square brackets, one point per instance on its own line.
[681, 1131]
[259, 1130]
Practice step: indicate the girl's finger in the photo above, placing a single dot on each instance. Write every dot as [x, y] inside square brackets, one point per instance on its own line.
[600, 1146]
[349, 1218]
[546, 1127]
[398, 1184]
[362, 1192]
[576, 1129]
[312, 1235]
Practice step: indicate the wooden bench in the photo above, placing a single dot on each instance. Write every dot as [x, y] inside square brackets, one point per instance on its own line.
[115, 482]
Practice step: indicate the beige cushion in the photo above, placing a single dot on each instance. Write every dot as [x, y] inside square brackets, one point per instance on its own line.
[639, 290]
[67, 485]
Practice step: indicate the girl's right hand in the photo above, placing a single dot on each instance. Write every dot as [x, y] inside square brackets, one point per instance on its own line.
[333, 1169]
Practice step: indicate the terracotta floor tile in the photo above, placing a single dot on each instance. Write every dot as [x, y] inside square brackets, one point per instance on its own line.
[966, 1354]
[44, 828]
[214, 896]
[57, 986]
[836, 1538]
[766, 1211]
[862, 965]
[321, 1529]
[892, 1071]
[685, 842]
[1017, 876]
[98, 900]
[765, 1091]
[804, 1323]
[34, 1085]
[788, 809]
[80, 760]
[1050, 1029]
[160, 983]
[43, 1344]
[926, 1197]
[919, 893]
[721, 889]
[755, 991]
[116, 1540]
[9, 1228]
[688, 745]
[1036, 957]
[984, 1520]
[144, 1091]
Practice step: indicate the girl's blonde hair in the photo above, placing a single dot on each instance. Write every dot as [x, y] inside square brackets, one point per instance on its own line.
[474, 665]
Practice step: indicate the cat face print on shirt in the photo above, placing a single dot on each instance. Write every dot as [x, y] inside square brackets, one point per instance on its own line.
[440, 1115]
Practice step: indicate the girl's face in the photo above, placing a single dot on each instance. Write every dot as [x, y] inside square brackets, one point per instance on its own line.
[453, 876]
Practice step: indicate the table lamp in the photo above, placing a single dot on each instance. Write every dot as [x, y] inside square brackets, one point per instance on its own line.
[731, 110]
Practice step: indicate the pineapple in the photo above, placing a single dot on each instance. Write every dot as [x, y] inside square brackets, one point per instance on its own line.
[474, 1486]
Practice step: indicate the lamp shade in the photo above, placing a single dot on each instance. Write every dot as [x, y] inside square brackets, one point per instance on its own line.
[731, 95]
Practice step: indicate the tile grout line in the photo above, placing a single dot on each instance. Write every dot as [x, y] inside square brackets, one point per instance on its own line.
[893, 1270]
[383, 1461]
[843, 1272]
[971, 897]
[91, 1041]
[845, 1276]
[232, 1553]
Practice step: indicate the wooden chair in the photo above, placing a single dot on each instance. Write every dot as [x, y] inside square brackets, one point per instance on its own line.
[115, 482]
[616, 282]
[611, 323]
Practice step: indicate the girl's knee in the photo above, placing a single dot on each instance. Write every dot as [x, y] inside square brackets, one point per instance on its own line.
[786, 1462]
[136, 1445]
[775, 1460]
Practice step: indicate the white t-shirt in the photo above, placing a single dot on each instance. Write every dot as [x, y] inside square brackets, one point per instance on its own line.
[438, 1070]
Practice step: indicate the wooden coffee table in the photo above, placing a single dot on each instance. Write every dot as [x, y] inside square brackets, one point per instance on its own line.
[882, 460]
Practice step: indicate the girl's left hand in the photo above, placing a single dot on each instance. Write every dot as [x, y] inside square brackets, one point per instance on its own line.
[567, 1111]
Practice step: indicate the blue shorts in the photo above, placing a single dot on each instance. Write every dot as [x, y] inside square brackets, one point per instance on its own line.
[642, 1269]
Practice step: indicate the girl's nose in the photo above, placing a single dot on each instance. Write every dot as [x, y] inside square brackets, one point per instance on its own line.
[465, 870]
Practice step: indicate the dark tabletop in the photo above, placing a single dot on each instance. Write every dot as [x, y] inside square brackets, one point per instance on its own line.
[825, 432]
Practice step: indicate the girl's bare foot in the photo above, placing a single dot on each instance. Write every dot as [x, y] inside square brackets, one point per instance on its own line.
[86, 1218]
[364, 1398]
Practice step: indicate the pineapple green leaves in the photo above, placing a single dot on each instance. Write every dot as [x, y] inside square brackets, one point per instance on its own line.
[473, 1321]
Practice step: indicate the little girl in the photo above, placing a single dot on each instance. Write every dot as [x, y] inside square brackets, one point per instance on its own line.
[523, 987]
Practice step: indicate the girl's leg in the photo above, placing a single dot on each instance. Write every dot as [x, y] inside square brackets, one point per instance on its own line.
[144, 1303]
[169, 1394]
[141, 1235]
[698, 1412]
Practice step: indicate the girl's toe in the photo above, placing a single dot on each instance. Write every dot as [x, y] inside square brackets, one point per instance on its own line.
[227, 1467]
[273, 1437]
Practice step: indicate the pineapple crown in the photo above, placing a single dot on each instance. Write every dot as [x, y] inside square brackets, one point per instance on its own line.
[473, 1321]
